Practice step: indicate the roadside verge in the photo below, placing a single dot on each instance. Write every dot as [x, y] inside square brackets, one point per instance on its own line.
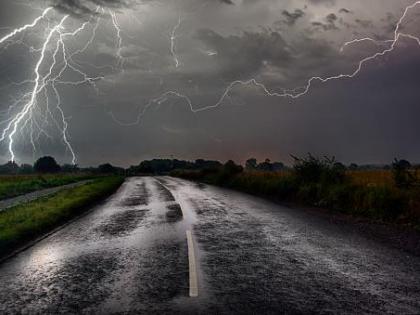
[27, 222]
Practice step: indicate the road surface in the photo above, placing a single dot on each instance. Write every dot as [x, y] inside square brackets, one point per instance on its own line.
[131, 255]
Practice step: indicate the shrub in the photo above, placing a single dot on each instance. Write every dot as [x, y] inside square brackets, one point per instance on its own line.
[46, 164]
[309, 194]
[338, 197]
[401, 172]
[316, 170]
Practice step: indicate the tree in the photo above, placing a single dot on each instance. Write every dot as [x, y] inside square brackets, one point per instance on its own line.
[311, 169]
[231, 168]
[265, 166]
[106, 168]
[251, 164]
[9, 168]
[46, 164]
[402, 176]
[353, 167]
[70, 168]
[26, 169]
[277, 166]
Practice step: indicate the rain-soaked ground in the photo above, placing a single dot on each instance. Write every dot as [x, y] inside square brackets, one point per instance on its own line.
[130, 255]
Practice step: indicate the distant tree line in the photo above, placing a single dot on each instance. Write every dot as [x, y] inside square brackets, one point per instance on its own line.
[405, 174]
[48, 165]
[165, 166]
[267, 166]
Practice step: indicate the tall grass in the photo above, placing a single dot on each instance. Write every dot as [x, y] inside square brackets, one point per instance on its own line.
[28, 221]
[372, 178]
[15, 185]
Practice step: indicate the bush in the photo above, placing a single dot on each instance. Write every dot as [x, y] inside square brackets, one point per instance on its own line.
[316, 170]
[379, 202]
[338, 197]
[309, 194]
[46, 164]
[231, 168]
[402, 176]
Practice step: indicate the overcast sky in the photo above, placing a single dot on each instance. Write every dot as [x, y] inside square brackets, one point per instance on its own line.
[368, 119]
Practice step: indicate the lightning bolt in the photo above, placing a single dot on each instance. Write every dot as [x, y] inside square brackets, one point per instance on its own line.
[25, 27]
[28, 107]
[291, 93]
[32, 101]
[119, 42]
[173, 44]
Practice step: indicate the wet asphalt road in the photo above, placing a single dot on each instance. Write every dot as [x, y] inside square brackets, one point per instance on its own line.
[130, 256]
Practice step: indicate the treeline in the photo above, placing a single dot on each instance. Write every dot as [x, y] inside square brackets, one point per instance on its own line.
[165, 166]
[48, 165]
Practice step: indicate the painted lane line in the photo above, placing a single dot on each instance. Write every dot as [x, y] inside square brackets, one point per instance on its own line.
[192, 266]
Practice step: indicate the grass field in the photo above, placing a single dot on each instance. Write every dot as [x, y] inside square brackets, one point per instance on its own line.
[367, 178]
[28, 221]
[15, 185]
[372, 177]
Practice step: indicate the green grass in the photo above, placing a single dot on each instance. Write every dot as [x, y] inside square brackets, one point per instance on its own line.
[26, 222]
[15, 185]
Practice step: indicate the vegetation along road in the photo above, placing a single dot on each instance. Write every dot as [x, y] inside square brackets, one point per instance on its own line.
[131, 255]
[11, 202]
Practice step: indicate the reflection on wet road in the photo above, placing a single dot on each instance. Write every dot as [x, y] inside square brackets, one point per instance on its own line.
[130, 255]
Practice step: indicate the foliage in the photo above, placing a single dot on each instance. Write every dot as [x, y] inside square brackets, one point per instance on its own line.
[106, 168]
[14, 185]
[266, 166]
[46, 164]
[9, 168]
[251, 164]
[164, 166]
[318, 170]
[403, 177]
[231, 169]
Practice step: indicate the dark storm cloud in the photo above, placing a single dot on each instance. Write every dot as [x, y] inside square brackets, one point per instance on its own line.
[245, 54]
[292, 17]
[327, 2]
[87, 7]
[364, 23]
[345, 11]
[226, 1]
[82, 8]
[253, 54]
[329, 24]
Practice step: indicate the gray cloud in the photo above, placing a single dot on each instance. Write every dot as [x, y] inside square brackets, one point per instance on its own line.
[226, 1]
[87, 7]
[292, 17]
[345, 11]
[326, 2]
[81, 8]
